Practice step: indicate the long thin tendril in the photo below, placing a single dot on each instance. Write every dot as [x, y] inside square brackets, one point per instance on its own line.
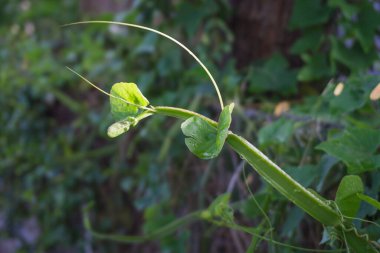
[365, 236]
[166, 36]
[362, 220]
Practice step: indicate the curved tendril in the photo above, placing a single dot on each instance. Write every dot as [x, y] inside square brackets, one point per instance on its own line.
[166, 36]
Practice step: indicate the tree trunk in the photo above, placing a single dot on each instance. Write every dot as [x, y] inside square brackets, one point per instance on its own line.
[260, 28]
[100, 6]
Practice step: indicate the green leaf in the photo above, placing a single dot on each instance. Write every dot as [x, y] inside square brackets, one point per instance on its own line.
[369, 200]
[274, 76]
[292, 220]
[308, 13]
[309, 41]
[129, 92]
[126, 109]
[316, 67]
[368, 22]
[346, 8]
[190, 14]
[351, 98]
[354, 58]
[224, 124]
[203, 140]
[346, 195]
[356, 148]
[354, 96]
[277, 132]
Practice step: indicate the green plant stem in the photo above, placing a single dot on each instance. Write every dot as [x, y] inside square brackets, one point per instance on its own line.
[276, 177]
[273, 174]
[181, 114]
[281, 181]
[157, 234]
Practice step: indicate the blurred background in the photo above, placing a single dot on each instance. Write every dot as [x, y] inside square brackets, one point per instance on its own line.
[280, 61]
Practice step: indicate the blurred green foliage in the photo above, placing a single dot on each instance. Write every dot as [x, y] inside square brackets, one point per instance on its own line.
[55, 155]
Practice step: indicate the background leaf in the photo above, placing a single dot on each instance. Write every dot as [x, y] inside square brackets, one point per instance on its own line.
[316, 67]
[310, 41]
[368, 22]
[305, 175]
[356, 148]
[277, 132]
[274, 75]
[316, 13]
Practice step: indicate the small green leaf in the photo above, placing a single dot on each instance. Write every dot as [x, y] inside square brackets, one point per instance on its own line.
[224, 124]
[346, 196]
[203, 140]
[130, 93]
[126, 110]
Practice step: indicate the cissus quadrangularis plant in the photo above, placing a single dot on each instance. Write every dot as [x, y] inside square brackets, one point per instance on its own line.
[205, 138]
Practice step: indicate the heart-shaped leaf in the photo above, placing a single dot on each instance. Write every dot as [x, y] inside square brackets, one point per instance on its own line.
[204, 140]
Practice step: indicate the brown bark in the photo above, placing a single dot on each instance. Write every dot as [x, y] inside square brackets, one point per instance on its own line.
[259, 27]
[101, 6]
